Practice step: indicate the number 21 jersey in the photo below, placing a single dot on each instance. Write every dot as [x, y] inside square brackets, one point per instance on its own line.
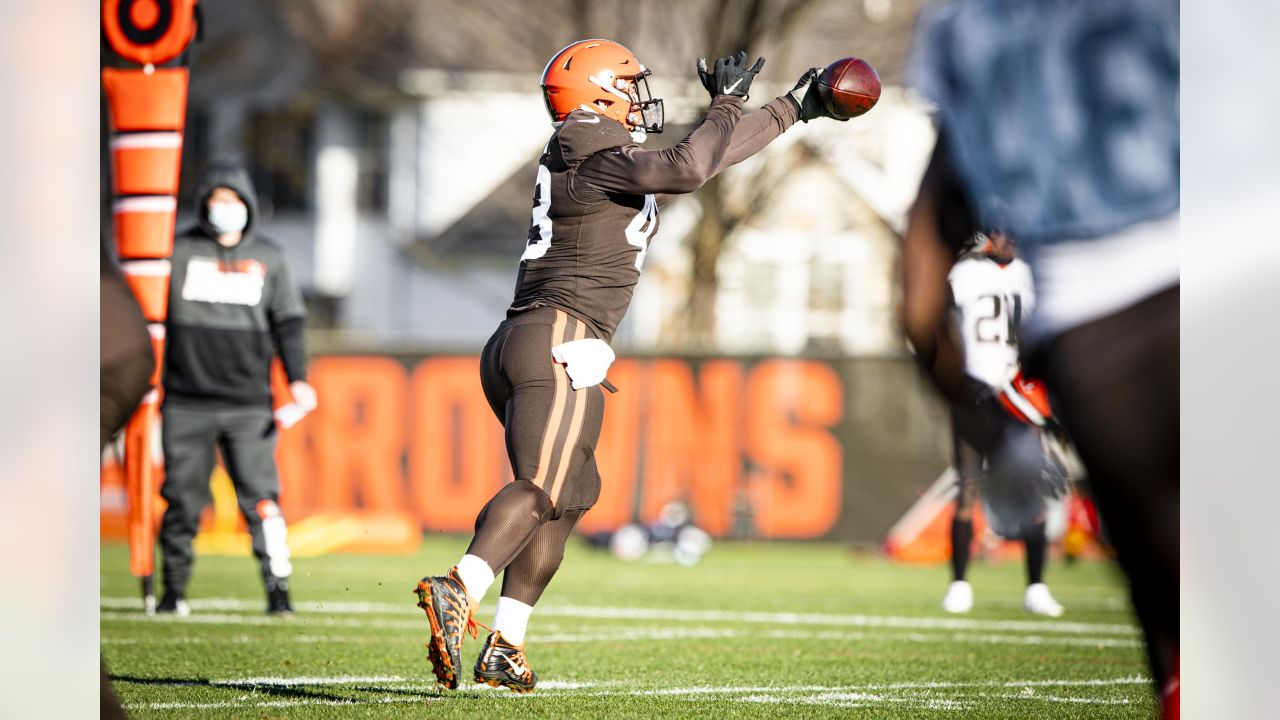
[991, 303]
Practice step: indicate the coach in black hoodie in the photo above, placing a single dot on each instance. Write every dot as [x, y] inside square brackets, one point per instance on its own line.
[233, 306]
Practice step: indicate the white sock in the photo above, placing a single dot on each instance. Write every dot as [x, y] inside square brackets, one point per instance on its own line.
[512, 620]
[476, 576]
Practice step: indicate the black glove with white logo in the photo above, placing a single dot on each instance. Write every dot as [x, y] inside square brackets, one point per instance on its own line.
[730, 76]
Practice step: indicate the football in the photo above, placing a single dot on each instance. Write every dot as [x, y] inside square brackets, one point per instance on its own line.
[849, 87]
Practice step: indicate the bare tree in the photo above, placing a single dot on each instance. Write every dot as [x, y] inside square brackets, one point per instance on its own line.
[731, 25]
[358, 48]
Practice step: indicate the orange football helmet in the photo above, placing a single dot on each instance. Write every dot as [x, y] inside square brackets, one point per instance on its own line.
[605, 77]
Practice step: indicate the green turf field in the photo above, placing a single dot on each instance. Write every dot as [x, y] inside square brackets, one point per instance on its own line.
[755, 631]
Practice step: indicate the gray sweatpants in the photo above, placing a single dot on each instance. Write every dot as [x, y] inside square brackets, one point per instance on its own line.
[246, 436]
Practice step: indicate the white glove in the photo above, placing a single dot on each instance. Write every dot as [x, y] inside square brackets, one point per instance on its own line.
[586, 361]
[304, 395]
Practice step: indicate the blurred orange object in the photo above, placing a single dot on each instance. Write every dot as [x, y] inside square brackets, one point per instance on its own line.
[146, 101]
[146, 163]
[1026, 400]
[923, 535]
[142, 478]
[149, 281]
[144, 227]
[149, 32]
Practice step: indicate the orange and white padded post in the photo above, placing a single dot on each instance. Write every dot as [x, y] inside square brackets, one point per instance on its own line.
[147, 106]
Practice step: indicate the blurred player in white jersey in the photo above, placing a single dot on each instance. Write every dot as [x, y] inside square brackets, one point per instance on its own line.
[992, 293]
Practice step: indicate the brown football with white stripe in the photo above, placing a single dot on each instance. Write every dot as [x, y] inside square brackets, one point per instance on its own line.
[849, 87]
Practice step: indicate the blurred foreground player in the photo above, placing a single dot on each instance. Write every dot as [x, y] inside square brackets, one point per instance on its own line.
[595, 210]
[233, 306]
[1059, 122]
[992, 293]
[126, 362]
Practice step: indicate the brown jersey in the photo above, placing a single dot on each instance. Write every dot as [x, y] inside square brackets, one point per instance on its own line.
[595, 203]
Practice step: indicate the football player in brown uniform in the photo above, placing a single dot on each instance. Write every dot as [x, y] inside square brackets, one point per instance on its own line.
[595, 210]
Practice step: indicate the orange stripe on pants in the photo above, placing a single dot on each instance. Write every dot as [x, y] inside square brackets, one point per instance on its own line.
[575, 428]
[557, 405]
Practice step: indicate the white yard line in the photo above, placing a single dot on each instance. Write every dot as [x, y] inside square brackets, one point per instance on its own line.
[599, 635]
[299, 621]
[1062, 699]
[670, 614]
[940, 685]
[295, 681]
[648, 634]
[834, 696]
[827, 620]
[265, 704]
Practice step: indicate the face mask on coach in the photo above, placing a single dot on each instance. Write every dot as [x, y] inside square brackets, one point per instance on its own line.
[228, 217]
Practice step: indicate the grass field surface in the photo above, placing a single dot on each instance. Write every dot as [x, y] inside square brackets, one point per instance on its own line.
[754, 631]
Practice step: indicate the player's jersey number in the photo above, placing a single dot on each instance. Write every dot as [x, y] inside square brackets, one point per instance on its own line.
[639, 231]
[1001, 324]
[642, 227]
[541, 220]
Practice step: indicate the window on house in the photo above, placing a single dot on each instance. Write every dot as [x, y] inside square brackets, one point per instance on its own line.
[280, 150]
[374, 137]
[826, 285]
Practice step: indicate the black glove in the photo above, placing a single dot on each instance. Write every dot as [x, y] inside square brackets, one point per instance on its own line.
[730, 76]
[805, 93]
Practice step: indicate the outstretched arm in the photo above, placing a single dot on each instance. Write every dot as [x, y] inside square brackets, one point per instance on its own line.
[685, 167]
[759, 128]
[679, 169]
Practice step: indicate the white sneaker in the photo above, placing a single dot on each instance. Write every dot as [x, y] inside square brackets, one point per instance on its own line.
[959, 597]
[1039, 601]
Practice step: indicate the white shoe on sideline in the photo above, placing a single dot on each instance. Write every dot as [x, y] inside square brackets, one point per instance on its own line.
[959, 598]
[1039, 601]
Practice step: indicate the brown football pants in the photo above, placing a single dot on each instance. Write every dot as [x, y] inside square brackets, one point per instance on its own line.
[1115, 385]
[551, 434]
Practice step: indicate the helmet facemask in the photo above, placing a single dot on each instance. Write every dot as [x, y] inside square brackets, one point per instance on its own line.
[646, 111]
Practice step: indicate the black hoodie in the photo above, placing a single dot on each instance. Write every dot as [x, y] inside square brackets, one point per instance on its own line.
[230, 309]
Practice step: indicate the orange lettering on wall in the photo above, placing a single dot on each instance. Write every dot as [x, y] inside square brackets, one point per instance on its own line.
[616, 450]
[457, 456]
[358, 433]
[796, 483]
[692, 451]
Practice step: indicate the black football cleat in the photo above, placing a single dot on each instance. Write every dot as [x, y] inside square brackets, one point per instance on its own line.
[278, 603]
[173, 604]
[450, 612]
[502, 664]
